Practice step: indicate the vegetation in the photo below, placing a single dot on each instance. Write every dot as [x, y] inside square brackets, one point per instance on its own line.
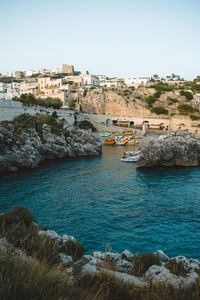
[194, 117]
[29, 99]
[74, 249]
[185, 109]
[188, 95]
[85, 124]
[26, 121]
[162, 87]
[44, 277]
[142, 262]
[159, 110]
[171, 100]
[176, 268]
[8, 80]
[71, 102]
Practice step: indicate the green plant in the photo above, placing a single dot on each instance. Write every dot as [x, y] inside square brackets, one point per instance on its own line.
[71, 102]
[184, 109]
[159, 110]
[194, 117]
[188, 95]
[85, 124]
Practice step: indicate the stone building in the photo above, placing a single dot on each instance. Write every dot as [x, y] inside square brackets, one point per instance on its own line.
[68, 69]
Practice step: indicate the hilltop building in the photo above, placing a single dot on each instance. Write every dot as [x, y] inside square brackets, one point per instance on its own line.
[68, 69]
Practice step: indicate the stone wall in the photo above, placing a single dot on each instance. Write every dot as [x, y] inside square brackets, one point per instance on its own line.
[10, 109]
[184, 123]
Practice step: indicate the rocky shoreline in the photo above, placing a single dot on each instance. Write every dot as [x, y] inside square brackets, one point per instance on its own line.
[29, 140]
[179, 148]
[129, 268]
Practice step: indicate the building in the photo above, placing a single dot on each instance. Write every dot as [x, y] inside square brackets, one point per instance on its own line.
[90, 80]
[29, 86]
[19, 75]
[67, 69]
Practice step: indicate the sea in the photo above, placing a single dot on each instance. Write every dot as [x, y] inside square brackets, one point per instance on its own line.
[109, 205]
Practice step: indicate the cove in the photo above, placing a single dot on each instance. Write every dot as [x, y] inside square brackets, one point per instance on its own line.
[106, 203]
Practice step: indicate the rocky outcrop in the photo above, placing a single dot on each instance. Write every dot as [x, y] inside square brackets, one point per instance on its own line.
[30, 147]
[179, 148]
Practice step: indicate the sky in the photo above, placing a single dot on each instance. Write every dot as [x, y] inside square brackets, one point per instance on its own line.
[126, 38]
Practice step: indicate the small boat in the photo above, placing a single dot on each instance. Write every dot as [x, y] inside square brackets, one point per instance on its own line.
[130, 158]
[128, 131]
[132, 142]
[109, 141]
[137, 137]
[122, 141]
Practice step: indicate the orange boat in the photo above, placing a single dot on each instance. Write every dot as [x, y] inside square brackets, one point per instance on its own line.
[109, 141]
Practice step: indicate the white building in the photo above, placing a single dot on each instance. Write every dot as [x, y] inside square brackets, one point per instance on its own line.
[90, 80]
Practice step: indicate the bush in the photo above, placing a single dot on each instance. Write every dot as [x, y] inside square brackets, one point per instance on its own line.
[188, 95]
[26, 121]
[162, 87]
[71, 102]
[159, 110]
[150, 100]
[85, 124]
[29, 99]
[194, 117]
[176, 268]
[74, 249]
[142, 262]
[184, 109]
[18, 227]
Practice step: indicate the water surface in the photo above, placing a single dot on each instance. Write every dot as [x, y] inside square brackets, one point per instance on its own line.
[106, 203]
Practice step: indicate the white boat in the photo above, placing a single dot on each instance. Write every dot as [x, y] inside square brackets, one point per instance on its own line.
[130, 158]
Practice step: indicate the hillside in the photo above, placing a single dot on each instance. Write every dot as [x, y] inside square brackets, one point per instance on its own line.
[158, 100]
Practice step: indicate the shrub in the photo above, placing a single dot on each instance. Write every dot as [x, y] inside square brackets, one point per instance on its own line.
[188, 95]
[74, 249]
[159, 110]
[142, 262]
[184, 109]
[150, 100]
[85, 124]
[29, 99]
[18, 227]
[172, 100]
[71, 102]
[162, 87]
[54, 115]
[194, 117]
[176, 268]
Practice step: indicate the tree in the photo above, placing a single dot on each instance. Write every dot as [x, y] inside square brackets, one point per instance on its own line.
[71, 102]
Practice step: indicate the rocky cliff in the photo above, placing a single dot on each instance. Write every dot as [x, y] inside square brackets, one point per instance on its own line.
[28, 140]
[180, 148]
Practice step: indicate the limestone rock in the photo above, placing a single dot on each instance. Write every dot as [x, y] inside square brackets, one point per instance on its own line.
[180, 148]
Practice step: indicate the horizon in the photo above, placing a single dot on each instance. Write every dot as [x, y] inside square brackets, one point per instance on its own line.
[128, 39]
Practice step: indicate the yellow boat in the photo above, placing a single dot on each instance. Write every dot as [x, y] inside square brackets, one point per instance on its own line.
[128, 131]
[137, 137]
[132, 142]
[109, 141]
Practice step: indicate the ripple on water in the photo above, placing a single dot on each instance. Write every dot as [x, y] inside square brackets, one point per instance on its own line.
[103, 201]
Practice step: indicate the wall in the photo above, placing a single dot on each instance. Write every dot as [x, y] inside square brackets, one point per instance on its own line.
[184, 123]
[10, 109]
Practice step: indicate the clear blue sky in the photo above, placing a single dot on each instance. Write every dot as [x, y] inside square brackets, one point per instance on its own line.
[119, 38]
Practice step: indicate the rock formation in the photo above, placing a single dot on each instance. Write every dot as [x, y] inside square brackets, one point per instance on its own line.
[179, 148]
[26, 147]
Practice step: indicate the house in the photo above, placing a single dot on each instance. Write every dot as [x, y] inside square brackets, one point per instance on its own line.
[90, 80]
[29, 86]
[19, 75]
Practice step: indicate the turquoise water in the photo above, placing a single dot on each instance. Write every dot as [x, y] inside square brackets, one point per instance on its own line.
[104, 202]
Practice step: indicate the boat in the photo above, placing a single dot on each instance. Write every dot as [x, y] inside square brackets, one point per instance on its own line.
[109, 141]
[137, 137]
[128, 132]
[104, 134]
[132, 142]
[130, 158]
[122, 141]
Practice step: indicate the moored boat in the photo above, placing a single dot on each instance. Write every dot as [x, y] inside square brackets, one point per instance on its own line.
[109, 141]
[130, 158]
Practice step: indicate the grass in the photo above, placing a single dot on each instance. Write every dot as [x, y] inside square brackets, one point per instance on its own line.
[44, 277]
[142, 262]
[176, 268]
